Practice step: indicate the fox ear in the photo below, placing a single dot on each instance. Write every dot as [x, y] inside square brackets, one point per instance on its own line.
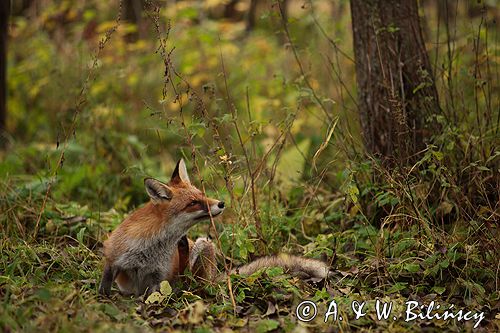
[157, 190]
[180, 174]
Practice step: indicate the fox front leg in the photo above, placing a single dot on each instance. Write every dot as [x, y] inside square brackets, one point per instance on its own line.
[108, 276]
[148, 283]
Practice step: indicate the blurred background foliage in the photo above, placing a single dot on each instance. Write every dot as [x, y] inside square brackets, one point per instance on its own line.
[262, 103]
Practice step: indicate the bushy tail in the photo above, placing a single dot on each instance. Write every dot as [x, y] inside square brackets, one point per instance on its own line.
[304, 268]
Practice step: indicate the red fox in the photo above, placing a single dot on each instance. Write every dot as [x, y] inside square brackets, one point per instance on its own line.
[150, 245]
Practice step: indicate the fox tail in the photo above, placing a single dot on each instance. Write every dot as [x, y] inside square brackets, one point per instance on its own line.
[304, 268]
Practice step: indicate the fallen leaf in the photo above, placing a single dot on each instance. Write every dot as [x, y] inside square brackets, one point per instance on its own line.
[165, 288]
[271, 309]
[155, 297]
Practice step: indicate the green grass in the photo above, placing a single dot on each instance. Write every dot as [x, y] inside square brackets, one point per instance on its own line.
[51, 283]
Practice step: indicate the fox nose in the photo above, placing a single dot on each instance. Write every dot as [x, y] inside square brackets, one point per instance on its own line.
[220, 204]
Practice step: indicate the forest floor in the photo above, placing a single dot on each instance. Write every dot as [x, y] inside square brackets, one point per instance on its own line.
[50, 284]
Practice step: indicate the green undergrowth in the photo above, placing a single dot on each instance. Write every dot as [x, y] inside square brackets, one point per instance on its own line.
[50, 283]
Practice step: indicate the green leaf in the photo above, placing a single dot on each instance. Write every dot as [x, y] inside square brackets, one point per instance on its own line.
[404, 245]
[226, 118]
[353, 192]
[266, 325]
[398, 286]
[236, 322]
[243, 252]
[43, 294]
[421, 86]
[438, 155]
[430, 260]
[251, 278]
[80, 234]
[439, 290]
[444, 264]
[110, 310]
[274, 271]
[197, 128]
[412, 268]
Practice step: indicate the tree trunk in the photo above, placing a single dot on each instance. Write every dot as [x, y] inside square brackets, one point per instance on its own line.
[395, 85]
[133, 14]
[4, 26]
[230, 11]
[252, 12]
[20, 7]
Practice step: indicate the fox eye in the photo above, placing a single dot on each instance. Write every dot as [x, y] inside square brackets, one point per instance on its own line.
[192, 203]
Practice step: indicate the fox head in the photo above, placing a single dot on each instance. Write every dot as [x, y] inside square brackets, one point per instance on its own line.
[181, 203]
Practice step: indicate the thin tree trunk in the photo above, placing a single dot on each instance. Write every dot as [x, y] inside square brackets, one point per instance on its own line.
[230, 11]
[132, 13]
[4, 26]
[20, 7]
[252, 12]
[395, 84]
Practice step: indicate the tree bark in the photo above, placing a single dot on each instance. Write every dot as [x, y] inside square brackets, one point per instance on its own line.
[230, 11]
[4, 26]
[252, 12]
[396, 89]
[133, 14]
